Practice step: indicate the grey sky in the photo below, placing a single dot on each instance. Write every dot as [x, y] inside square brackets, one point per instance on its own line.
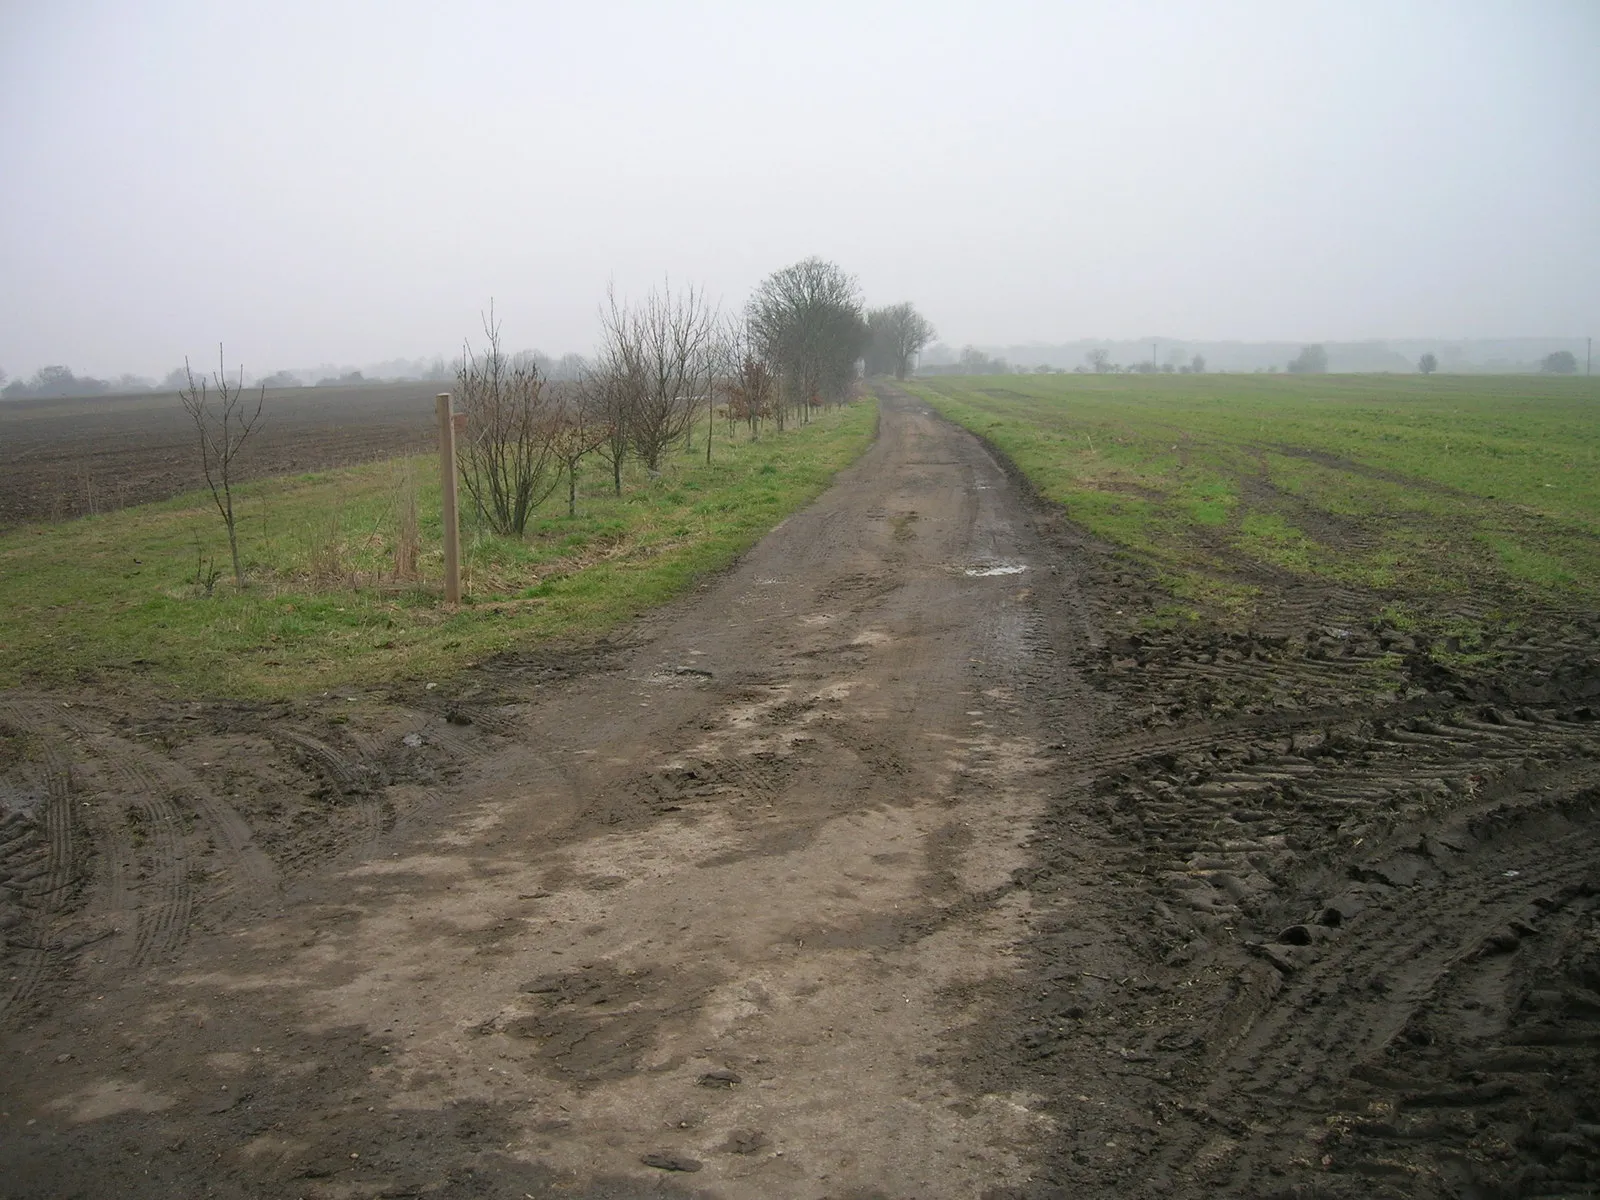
[340, 182]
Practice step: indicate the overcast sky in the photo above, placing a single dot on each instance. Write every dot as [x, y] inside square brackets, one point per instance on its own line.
[339, 182]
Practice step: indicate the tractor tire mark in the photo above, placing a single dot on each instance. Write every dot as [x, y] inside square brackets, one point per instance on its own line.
[44, 893]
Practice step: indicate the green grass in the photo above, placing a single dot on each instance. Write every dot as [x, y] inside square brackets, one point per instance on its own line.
[123, 598]
[1444, 486]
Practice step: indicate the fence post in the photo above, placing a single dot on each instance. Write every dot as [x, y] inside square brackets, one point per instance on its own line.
[447, 491]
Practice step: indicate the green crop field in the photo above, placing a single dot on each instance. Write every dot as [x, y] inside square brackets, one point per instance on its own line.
[143, 597]
[1419, 489]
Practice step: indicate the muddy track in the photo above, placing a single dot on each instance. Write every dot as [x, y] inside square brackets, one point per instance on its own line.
[913, 857]
[1357, 867]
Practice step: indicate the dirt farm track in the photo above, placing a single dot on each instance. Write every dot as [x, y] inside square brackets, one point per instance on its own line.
[900, 861]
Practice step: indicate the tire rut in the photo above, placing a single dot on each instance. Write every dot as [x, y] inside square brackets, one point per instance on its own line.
[1288, 851]
[39, 890]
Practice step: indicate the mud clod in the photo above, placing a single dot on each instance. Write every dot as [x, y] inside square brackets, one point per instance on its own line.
[663, 1160]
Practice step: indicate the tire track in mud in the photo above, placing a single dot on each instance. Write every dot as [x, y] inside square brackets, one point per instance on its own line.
[163, 889]
[162, 847]
[346, 780]
[171, 805]
[167, 894]
[39, 889]
[143, 812]
[249, 872]
[1279, 812]
[1333, 1015]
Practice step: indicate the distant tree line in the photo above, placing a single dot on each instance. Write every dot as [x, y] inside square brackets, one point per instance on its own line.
[57, 381]
[1098, 362]
[1503, 356]
[971, 361]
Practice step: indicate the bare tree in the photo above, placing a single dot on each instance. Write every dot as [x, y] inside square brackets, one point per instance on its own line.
[896, 334]
[576, 433]
[1100, 359]
[223, 422]
[806, 323]
[752, 394]
[749, 385]
[607, 393]
[659, 352]
[507, 463]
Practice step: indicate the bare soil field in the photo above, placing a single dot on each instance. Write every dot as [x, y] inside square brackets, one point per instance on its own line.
[66, 458]
[903, 860]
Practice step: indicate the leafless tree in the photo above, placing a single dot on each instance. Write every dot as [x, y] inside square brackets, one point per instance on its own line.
[607, 394]
[729, 343]
[659, 351]
[1100, 359]
[806, 322]
[507, 462]
[223, 422]
[750, 387]
[896, 334]
[577, 432]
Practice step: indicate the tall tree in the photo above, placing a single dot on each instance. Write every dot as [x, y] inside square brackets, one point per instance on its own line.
[1428, 363]
[896, 334]
[806, 322]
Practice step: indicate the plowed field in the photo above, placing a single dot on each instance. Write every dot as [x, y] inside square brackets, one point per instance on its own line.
[66, 458]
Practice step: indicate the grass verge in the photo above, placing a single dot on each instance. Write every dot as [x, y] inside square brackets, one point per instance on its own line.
[344, 568]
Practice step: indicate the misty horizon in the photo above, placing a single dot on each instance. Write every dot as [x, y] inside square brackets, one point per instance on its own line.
[319, 187]
[1377, 356]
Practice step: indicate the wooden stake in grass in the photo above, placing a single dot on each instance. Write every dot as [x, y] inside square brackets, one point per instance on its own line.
[224, 424]
[448, 509]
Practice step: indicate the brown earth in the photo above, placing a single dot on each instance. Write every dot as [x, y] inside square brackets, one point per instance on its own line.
[67, 458]
[879, 868]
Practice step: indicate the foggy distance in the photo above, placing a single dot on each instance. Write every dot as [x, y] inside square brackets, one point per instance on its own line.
[348, 186]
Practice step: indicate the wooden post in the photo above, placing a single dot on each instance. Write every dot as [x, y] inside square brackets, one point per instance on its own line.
[447, 491]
